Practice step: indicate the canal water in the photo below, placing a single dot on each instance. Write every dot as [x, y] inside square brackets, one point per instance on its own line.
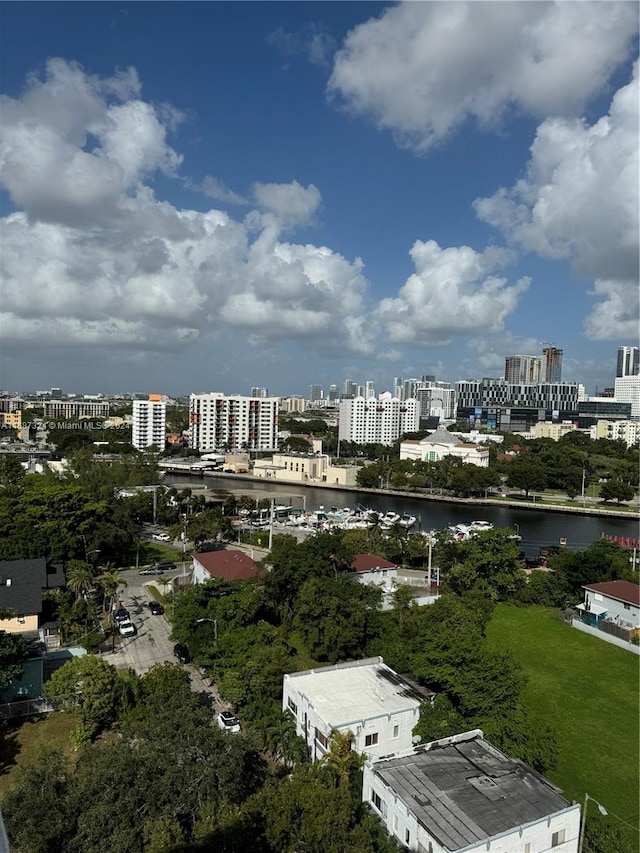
[536, 528]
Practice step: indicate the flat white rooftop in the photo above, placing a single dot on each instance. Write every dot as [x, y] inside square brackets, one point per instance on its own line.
[349, 692]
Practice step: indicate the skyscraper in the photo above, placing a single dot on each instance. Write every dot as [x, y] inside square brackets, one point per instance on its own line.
[522, 369]
[551, 364]
[628, 361]
[315, 393]
[149, 423]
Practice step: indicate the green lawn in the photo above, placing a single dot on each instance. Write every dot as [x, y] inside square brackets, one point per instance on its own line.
[587, 690]
[23, 740]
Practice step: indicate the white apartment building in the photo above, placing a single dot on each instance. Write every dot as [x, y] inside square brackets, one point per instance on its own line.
[522, 369]
[379, 420]
[437, 400]
[627, 390]
[628, 431]
[364, 697]
[442, 443]
[149, 423]
[462, 794]
[232, 423]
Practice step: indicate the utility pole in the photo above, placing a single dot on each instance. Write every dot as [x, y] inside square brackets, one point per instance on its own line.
[271, 523]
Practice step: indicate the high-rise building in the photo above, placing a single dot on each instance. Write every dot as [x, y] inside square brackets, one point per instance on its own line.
[149, 423]
[437, 400]
[234, 423]
[260, 392]
[349, 388]
[333, 393]
[369, 389]
[551, 365]
[628, 361]
[522, 369]
[627, 390]
[379, 421]
[316, 393]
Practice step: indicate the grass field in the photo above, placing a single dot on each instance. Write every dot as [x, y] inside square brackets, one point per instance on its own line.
[23, 740]
[587, 690]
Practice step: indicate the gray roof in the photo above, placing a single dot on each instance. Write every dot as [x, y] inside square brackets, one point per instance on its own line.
[441, 436]
[22, 583]
[469, 791]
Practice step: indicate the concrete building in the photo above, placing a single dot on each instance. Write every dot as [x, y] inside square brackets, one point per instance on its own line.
[522, 369]
[315, 393]
[627, 390]
[305, 468]
[627, 431]
[259, 392]
[371, 570]
[11, 420]
[550, 397]
[75, 409]
[442, 443]
[547, 429]
[628, 363]
[293, 405]
[149, 423]
[228, 565]
[551, 368]
[463, 794]
[219, 422]
[437, 400]
[365, 697]
[381, 420]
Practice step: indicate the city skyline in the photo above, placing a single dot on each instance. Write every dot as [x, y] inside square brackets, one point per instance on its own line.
[195, 199]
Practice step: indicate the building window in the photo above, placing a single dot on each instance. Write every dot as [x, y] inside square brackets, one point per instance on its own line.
[292, 706]
[396, 731]
[371, 740]
[377, 802]
[558, 838]
[627, 606]
[321, 738]
[407, 837]
[395, 823]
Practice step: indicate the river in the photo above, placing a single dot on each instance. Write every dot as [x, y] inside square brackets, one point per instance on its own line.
[536, 528]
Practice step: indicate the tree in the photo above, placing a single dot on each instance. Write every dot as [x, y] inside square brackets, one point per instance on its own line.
[87, 684]
[110, 581]
[13, 653]
[79, 577]
[616, 490]
[11, 470]
[527, 473]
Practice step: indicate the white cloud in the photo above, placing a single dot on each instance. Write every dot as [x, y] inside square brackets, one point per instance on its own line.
[291, 203]
[214, 188]
[92, 258]
[489, 353]
[453, 292]
[313, 43]
[422, 69]
[578, 200]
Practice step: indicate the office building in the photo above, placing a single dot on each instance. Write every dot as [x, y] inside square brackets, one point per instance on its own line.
[333, 393]
[437, 400]
[551, 365]
[628, 361]
[349, 388]
[548, 396]
[377, 421]
[149, 423]
[522, 369]
[627, 390]
[232, 423]
[316, 393]
[369, 389]
[260, 392]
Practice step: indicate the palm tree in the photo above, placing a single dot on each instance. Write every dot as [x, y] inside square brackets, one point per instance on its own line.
[110, 580]
[79, 577]
[340, 759]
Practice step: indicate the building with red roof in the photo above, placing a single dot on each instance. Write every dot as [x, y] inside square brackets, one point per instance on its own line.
[228, 565]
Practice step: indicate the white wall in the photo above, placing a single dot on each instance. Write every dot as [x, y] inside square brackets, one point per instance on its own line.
[397, 819]
[394, 731]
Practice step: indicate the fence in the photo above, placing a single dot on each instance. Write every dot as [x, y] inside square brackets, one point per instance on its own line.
[26, 708]
[606, 636]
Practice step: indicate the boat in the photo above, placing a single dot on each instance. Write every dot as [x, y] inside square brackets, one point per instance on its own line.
[407, 520]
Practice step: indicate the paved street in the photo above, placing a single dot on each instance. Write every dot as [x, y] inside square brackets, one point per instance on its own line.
[152, 644]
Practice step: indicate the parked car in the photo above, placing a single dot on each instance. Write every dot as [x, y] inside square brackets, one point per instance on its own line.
[165, 565]
[162, 537]
[181, 653]
[121, 615]
[156, 608]
[151, 570]
[228, 722]
[127, 629]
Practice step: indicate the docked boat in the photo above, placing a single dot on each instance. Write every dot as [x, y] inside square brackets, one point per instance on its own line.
[407, 520]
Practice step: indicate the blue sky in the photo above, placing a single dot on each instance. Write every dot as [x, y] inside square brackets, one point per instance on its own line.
[212, 196]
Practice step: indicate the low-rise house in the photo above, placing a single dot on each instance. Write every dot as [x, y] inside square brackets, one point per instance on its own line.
[305, 468]
[228, 565]
[612, 601]
[22, 583]
[366, 697]
[463, 794]
[371, 570]
[440, 444]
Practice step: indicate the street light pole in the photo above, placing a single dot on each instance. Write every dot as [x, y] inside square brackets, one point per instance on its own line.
[583, 819]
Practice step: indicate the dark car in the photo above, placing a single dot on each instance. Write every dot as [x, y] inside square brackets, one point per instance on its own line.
[121, 615]
[164, 565]
[156, 608]
[181, 653]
